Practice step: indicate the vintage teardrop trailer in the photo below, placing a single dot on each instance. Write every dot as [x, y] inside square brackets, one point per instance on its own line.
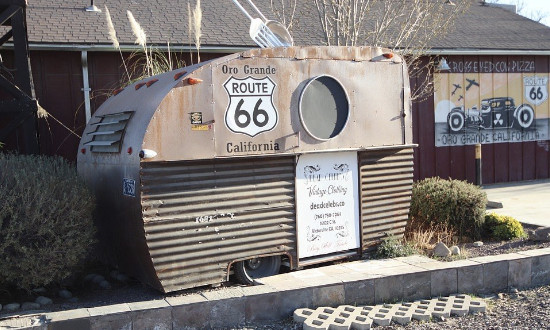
[299, 154]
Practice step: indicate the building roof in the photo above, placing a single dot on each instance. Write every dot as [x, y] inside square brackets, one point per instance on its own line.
[65, 23]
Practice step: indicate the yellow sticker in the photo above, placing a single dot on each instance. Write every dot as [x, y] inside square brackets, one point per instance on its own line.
[200, 127]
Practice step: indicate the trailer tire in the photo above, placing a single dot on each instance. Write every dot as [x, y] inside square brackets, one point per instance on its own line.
[248, 270]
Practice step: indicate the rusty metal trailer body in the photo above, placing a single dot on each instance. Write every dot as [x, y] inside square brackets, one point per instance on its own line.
[302, 152]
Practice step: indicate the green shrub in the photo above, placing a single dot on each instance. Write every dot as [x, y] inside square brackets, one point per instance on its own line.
[393, 247]
[455, 203]
[46, 223]
[503, 227]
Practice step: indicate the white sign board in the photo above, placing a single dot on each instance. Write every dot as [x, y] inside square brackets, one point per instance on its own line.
[328, 203]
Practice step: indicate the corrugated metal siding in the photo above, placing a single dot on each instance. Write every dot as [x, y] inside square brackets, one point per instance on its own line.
[251, 202]
[386, 178]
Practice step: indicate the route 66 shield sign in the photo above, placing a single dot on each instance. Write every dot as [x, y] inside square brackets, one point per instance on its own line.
[250, 110]
[536, 89]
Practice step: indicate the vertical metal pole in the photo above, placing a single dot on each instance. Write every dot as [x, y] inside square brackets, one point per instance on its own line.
[86, 85]
[478, 165]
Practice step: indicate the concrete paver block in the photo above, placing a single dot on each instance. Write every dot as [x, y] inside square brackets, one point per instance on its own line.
[387, 289]
[351, 317]
[416, 286]
[156, 318]
[470, 279]
[519, 273]
[495, 276]
[328, 295]
[114, 321]
[477, 306]
[380, 314]
[343, 317]
[359, 292]
[260, 308]
[444, 282]
[540, 268]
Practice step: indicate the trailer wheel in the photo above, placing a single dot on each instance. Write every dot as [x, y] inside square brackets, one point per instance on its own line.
[248, 270]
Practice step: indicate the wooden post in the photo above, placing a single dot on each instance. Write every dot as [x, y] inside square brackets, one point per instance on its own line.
[479, 180]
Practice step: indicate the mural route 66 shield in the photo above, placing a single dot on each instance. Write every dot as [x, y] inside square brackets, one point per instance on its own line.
[536, 89]
[250, 110]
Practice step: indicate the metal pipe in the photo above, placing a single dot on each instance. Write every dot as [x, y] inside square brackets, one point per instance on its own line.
[86, 85]
[242, 9]
[257, 10]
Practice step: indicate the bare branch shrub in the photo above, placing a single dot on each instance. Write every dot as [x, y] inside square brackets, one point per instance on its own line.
[408, 27]
[285, 11]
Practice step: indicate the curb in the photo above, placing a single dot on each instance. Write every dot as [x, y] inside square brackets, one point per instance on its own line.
[364, 282]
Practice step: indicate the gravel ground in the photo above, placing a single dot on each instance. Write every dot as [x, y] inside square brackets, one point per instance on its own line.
[528, 309]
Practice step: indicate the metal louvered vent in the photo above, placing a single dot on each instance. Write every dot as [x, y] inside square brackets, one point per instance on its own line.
[199, 216]
[386, 185]
[109, 132]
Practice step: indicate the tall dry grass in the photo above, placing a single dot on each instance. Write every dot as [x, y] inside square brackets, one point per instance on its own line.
[425, 238]
[147, 62]
[114, 39]
[197, 23]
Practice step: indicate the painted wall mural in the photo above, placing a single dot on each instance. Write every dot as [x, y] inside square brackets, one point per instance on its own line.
[491, 102]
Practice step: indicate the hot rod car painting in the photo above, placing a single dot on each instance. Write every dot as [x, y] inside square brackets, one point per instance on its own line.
[497, 112]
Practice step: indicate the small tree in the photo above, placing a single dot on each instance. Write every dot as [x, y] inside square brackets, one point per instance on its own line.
[285, 11]
[408, 27]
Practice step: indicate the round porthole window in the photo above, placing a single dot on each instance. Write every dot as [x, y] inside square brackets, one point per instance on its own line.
[324, 107]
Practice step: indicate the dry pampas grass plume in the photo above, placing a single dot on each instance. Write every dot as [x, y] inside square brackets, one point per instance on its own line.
[112, 31]
[197, 22]
[137, 30]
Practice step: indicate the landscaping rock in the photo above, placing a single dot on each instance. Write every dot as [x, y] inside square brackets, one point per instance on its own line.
[43, 301]
[65, 294]
[104, 284]
[30, 306]
[478, 243]
[12, 307]
[441, 250]
[39, 290]
[90, 277]
[540, 235]
[455, 250]
[122, 278]
[98, 278]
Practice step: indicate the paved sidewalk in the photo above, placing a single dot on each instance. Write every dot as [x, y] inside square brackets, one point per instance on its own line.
[527, 201]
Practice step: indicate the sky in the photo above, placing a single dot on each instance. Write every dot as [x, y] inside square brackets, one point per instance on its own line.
[532, 8]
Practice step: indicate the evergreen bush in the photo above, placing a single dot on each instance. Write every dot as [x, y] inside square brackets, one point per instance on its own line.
[502, 227]
[458, 204]
[393, 247]
[46, 225]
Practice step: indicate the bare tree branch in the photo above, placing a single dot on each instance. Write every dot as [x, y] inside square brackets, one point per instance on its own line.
[408, 27]
[285, 11]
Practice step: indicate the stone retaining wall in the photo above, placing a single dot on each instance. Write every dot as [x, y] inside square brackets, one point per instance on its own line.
[353, 283]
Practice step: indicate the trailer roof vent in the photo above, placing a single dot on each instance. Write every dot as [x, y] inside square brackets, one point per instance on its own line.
[109, 132]
[324, 107]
